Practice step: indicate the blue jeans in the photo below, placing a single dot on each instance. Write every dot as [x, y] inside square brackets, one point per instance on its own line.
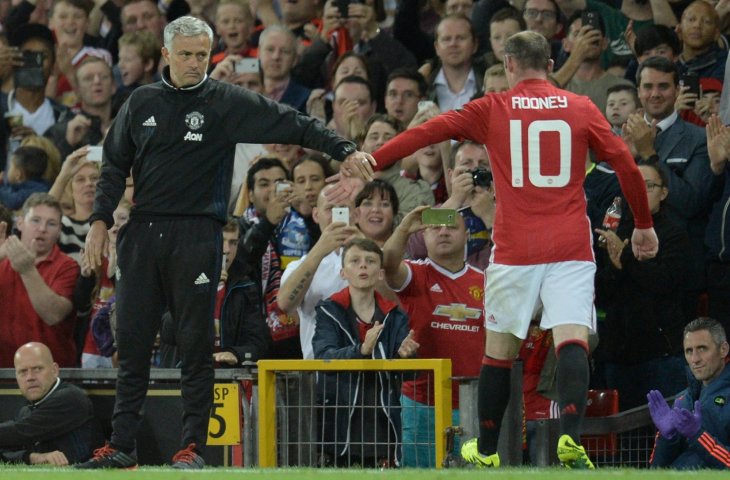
[418, 427]
[633, 381]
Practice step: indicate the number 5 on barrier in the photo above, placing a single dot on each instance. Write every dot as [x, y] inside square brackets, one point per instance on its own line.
[224, 426]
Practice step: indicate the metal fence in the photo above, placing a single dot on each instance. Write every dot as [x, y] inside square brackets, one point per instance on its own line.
[344, 413]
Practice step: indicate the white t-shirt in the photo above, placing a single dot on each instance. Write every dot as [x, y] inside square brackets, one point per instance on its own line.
[40, 120]
[325, 282]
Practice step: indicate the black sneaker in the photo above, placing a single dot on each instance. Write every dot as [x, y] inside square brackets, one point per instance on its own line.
[188, 459]
[109, 457]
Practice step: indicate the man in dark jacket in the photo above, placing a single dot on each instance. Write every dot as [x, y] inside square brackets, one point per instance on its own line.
[695, 434]
[178, 137]
[357, 323]
[57, 426]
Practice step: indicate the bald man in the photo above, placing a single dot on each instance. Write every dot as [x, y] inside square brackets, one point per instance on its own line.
[56, 427]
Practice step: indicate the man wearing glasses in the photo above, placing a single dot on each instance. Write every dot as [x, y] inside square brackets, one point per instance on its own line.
[543, 17]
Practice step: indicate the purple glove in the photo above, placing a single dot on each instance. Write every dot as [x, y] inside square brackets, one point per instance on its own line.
[688, 423]
[661, 414]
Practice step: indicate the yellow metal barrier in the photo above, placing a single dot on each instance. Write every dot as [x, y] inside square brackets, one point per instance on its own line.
[267, 394]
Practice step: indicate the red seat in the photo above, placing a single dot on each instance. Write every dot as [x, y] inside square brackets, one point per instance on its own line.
[601, 403]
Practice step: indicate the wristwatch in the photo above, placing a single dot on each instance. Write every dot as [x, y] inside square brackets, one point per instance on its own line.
[347, 150]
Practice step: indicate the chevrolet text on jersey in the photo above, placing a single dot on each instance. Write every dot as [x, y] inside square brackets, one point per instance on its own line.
[193, 137]
[539, 103]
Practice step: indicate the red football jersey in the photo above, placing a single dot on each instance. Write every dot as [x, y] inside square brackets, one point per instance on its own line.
[538, 138]
[445, 309]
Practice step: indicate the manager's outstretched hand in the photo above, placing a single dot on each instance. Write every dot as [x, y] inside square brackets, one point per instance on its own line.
[358, 164]
[644, 243]
[97, 244]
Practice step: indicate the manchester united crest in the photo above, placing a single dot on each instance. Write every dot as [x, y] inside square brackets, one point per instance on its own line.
[194, 120]
[476, 292]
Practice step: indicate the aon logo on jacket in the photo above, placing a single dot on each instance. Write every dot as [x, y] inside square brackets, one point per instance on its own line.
[193, 137]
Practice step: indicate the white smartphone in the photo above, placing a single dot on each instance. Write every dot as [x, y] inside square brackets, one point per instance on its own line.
[94, 153]
[247, 65]
[341, 214]
[282, 187]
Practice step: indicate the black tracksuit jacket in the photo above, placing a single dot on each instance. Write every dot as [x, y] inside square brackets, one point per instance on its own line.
[179, 145]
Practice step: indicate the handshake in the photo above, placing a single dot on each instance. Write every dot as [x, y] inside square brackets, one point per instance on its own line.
[670, 421]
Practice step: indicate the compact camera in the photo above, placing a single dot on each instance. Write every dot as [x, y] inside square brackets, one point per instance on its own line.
[481, 177]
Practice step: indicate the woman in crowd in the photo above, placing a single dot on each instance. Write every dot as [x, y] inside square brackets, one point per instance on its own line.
[75, 187]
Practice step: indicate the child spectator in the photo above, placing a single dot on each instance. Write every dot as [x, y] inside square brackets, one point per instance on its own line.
[24, 177]
[621, 101]
[495, 79]
[233, 25]
[69, 21]
[503, 24]
[94, 290]
[356, 323]
[139, 56]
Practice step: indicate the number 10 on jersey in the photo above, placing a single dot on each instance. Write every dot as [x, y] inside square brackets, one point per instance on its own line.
[534, 148]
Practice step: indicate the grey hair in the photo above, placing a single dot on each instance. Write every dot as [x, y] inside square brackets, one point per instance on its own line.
[717, 332]
[187, 27]
[280, 29]
[530, 49]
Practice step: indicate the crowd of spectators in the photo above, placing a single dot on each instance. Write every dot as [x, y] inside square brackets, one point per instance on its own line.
[369, 70]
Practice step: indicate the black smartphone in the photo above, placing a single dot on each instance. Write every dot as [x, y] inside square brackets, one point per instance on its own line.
[30, 75]
[691, 80]
[591, 18]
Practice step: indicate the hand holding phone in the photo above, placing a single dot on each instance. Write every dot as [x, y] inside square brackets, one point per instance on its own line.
[692, 81]
[591, 19]
[247, 65]
[341, 214]
[93, 153]
[439, 217]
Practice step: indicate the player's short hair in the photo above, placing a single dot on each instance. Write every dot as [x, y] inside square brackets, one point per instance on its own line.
[41, 198]
[31, 160]
[186, 26]
[624, 87]
[717, 332]
[652, 36]
[529, 49]
[661, 64]
[364, 244]
[378, 187]
[146, 45]
[263, 163]
[409, 73]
